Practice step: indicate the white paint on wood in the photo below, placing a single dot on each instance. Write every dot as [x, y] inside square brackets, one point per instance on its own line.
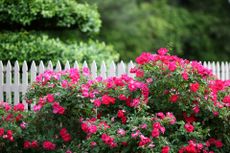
[85, 64]
[58, 66]
[16, 83]
[41, 68]
[103, 70]
[1, 81]
[24, 82]
[112, 70]
[121, 69]
[50, 66]
[76, 65]
[33, 72]
[8, 82]
[94, 70]
[67, 65]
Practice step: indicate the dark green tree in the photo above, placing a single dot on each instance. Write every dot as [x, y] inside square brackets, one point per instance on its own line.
[192, 29]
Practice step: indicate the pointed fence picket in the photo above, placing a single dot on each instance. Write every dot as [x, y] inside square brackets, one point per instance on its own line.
[15, 79]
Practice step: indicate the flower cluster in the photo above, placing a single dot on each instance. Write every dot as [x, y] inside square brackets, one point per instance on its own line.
[172, 105]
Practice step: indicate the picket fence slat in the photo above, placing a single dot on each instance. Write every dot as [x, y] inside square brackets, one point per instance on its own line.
[112, 70]
[50, 66]
[24, 84]
[94, 70]
[1, 81]
[103, 70]
[58, 66]
[15, 80]
[8, 81]
[41, 67]
[67, 65]
[75, 65]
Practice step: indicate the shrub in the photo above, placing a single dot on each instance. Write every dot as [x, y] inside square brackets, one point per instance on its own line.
[30, 46]
[172, 106]
[52, 14]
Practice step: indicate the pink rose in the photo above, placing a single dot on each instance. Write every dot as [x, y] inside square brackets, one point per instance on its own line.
[189, 127]
[194, 87]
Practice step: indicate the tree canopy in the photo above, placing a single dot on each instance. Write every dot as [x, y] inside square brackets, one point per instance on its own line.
[193, 29]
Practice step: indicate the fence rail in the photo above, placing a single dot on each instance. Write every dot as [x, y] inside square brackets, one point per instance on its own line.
[15, 80]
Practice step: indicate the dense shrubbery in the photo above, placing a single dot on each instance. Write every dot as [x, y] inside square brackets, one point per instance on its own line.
[172, 105]
[32, 30]
[28, 46]
[40, 14]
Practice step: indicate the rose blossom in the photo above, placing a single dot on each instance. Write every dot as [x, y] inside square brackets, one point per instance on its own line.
[165, 149]
[155, 133]
[50, 98]
[189, 127]
[173, 98]
[162, 51]
[121, 132]
[194, 87]
[47, 145]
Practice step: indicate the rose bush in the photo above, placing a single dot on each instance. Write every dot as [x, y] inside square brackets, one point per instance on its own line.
[172, 105]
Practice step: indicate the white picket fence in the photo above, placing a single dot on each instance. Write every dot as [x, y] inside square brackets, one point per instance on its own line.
[15, 80]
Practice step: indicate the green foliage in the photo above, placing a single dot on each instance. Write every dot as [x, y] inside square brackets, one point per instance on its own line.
[32, 30]
[40, 14]
[30, 46]
[91, 51]
[195, 30]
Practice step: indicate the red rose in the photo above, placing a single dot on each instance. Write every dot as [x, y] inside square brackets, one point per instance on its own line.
[144, 58]
[165, 149]
[34, 144]
[84, 127]
[174, 98]
[66, 137]
[26, 145]
[50, 98]
[218, 144]
[57, 109]
[1, 131]
[47, 145]
[189, 127]
[155, 133]
[123, 120]
[120, 114]
[191, 149]
[162, 51]
[19, 107]
[108, 100]
[194, 87]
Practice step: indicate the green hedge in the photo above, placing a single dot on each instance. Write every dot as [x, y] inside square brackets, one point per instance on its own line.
[49, 14]
[30, 46]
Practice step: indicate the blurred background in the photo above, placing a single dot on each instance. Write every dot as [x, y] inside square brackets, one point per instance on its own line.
[113, 29]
